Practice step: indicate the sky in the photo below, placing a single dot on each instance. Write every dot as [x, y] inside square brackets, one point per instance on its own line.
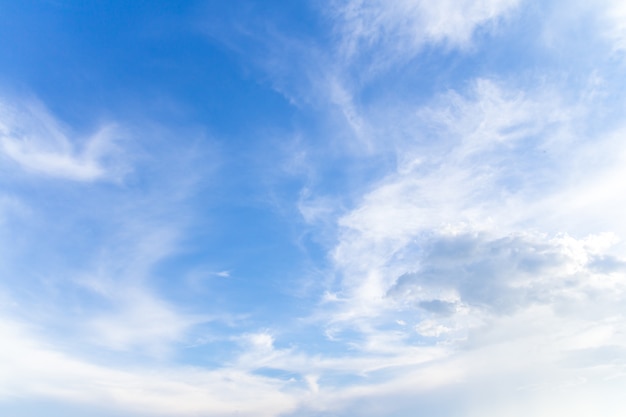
[312, 208]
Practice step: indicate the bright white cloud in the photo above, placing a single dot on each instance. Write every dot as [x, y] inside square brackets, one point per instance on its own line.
[31, 137]
[617, 25]
[478, 270]
[400, 29]
[472, 177]
[462, 246]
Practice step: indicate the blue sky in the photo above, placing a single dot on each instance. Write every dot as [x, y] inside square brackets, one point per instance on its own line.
[340, 208]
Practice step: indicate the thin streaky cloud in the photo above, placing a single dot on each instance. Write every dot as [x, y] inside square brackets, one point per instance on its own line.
[349, 209]
[404, 27]
[32, 138]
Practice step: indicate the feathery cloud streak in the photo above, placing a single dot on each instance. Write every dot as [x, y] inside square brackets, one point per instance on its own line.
[439, 232]
[34, 140]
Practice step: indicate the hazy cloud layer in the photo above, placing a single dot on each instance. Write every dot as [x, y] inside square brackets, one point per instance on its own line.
[359, 208]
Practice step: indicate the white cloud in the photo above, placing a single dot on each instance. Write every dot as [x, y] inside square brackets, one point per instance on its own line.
[457, 273]
[32, 369]
[31, 137]
[314, 209]
[476, 243]
[476, 269]
[616, 16]
[400, 29]
[140, 322]
[104, 294]
[368, 38]
[471, 180]
[607, 18]
[131, 315]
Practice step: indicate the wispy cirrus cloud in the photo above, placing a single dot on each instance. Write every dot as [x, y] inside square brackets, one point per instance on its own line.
[486, 222]
[401, 29]
[365, 40]
[467, 238]
[33, 369]
[477, 230]
[37, 142]
[97, 251]
[616, 28]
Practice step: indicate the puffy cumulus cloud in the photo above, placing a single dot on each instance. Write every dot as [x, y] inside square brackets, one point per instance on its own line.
[464, 274]
[477, 163]
[478, 245]
[33, 139]
[523, 321]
